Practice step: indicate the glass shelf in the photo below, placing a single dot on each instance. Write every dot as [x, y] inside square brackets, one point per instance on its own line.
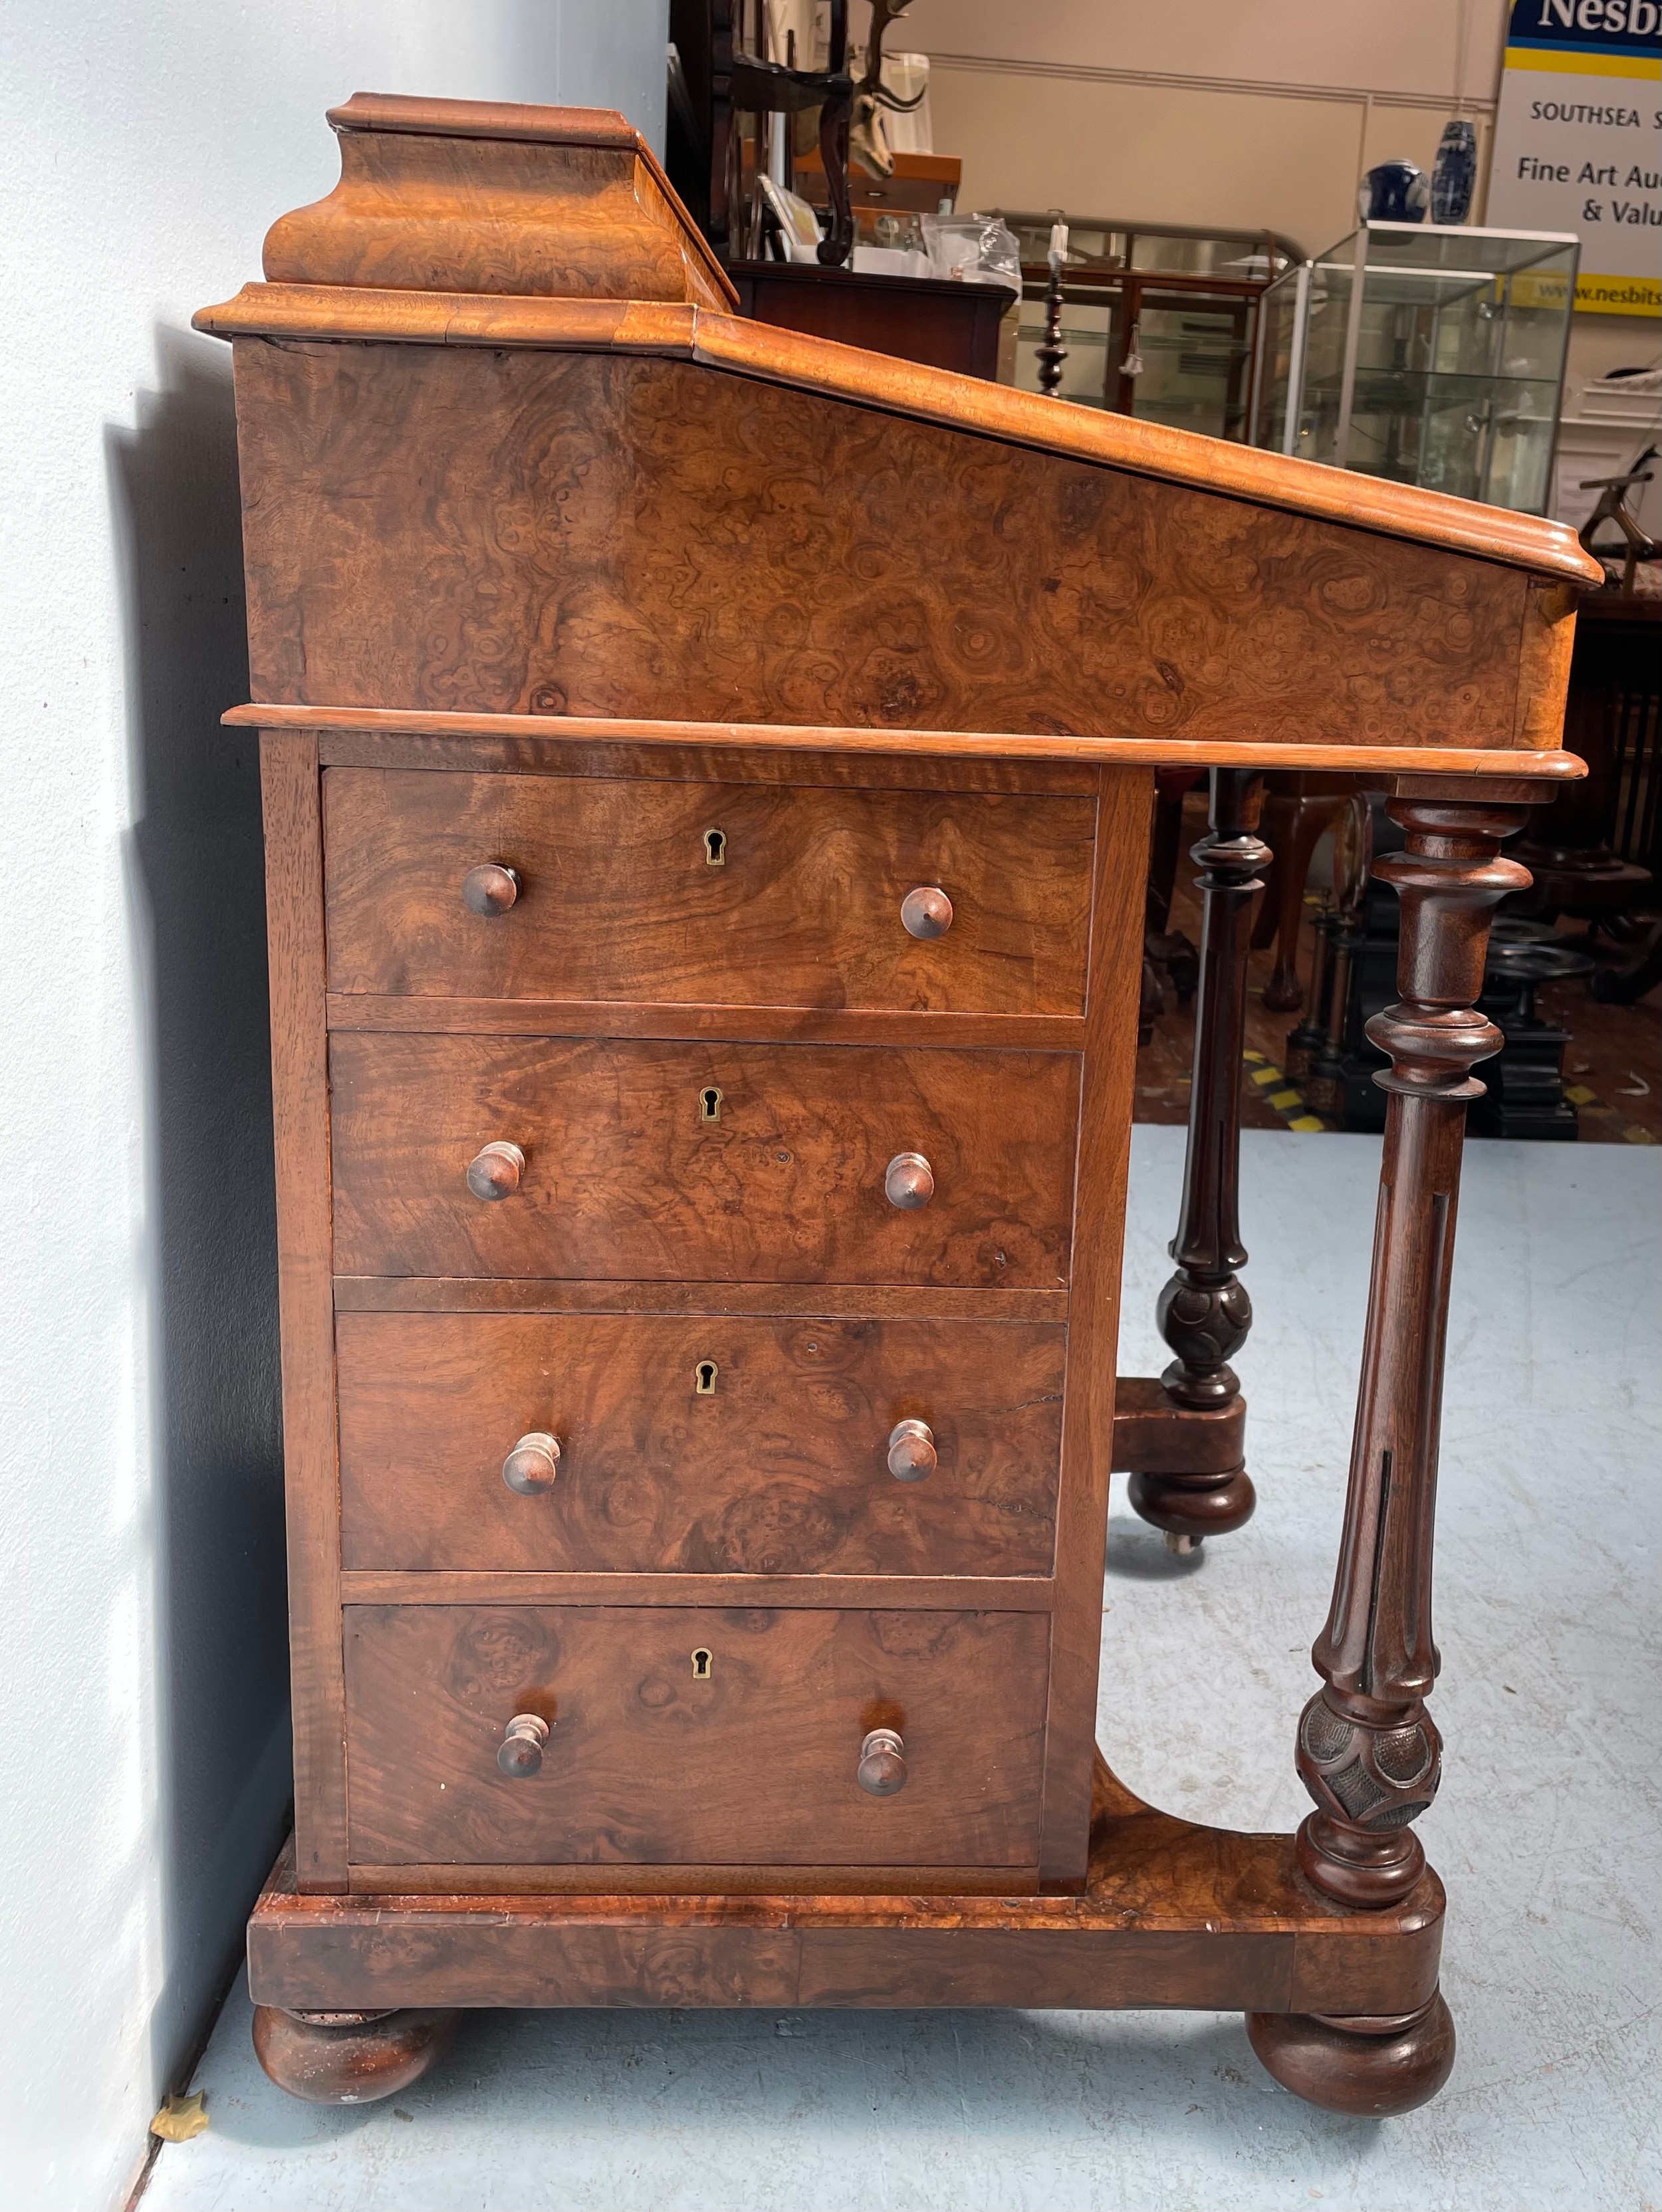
[1426, 353]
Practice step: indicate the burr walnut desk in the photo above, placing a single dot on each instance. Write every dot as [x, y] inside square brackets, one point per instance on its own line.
[707, 778]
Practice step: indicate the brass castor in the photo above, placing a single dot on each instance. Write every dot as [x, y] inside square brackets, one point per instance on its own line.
[348, 2058]
[1371, 2069]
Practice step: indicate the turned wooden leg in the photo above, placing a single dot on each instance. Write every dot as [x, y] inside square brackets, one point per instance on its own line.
[348, 2058]
[1203, 1311]
[1370, 2069]
[1368, 1752]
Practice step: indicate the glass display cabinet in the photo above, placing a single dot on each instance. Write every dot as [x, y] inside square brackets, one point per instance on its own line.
[1431, 355]
[1160, 324]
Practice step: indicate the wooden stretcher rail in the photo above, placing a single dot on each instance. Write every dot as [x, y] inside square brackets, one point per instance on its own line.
[945, 744]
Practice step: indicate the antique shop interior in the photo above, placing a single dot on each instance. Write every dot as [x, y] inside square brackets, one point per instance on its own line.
[694, 470]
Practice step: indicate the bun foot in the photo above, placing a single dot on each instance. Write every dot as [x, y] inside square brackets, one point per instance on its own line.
[1194, 1505]
[348, 2058]
[1371, 2069]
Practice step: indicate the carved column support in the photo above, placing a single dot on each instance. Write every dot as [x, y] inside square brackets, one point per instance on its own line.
[1203, 1312]
[1368, 1752]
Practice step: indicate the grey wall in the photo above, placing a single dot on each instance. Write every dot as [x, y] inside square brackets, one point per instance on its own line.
[144, 1730]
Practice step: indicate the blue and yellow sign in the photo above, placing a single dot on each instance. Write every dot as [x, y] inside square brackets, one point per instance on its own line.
[1578, 141]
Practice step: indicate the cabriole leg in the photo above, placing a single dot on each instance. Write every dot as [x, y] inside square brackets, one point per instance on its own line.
[1368, 1750]
[1203, 1311]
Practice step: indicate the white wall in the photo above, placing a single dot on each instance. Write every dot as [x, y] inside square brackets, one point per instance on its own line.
[144, 148]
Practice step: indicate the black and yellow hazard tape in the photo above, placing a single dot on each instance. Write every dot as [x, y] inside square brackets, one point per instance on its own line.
[1280, 1091]
[1587, 1102]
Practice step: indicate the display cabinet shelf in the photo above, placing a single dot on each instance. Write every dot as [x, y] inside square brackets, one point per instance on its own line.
[1428, 354]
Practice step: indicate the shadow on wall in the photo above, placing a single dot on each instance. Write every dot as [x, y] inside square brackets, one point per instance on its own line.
[196, 878]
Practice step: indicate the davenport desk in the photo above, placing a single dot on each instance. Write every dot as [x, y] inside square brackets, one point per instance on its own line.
[707, 778]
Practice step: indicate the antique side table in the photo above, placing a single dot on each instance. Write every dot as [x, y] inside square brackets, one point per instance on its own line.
[707, 778]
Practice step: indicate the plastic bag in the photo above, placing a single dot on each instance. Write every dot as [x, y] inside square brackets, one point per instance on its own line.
[798, 228]
[976, 249]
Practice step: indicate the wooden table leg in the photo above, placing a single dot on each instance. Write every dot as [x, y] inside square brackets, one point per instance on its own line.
[1204, 1312]
[1308, 818]
[1368, 1752]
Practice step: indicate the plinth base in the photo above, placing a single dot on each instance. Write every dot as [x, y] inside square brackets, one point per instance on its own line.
[1171, 1914]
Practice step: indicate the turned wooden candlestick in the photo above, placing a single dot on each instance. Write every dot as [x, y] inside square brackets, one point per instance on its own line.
[1052, 352]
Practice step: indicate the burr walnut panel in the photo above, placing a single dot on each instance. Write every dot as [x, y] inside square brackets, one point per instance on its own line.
[450, 214]
[781, 1467]
[623, 1179]
[647, 1762]
[739, 893]
[602, 534]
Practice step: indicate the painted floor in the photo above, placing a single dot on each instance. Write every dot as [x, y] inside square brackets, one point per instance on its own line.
[1545, 1832]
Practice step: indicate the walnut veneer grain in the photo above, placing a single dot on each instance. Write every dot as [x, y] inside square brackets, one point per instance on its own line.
[622, 1177]
[792, 558]
[647, 1762]
[779, 1469]
[711, 1199]
[1171, 1914]
[453, 195]
[623, 895]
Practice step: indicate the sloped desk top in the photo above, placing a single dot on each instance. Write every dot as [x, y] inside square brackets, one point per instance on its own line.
[825, 547]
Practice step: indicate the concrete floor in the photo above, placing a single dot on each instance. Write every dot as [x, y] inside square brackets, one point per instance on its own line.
[1545, 1832]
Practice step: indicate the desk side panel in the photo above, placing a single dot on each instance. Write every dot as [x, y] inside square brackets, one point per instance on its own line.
[613, 535]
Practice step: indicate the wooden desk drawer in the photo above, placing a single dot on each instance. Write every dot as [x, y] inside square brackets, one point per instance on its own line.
[618, 899]
[778, 1466]
[623, 1181]
[646, 1764]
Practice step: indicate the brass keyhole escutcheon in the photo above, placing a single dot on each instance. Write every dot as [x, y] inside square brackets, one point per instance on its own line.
[704, 1378]
[709, 1103]
[703, 1662]
[715, 848]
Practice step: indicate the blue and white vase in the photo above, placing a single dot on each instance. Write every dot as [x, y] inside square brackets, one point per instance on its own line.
[1393, 191]
[1454, 177]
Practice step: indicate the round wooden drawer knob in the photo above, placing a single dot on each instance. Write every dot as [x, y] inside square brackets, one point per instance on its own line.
[909, 1181]
[490, 889]
[881, 1769]
[926, 912]
[532, 1464]
[521, 1750]
[495, 1172]
[911, 1451]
